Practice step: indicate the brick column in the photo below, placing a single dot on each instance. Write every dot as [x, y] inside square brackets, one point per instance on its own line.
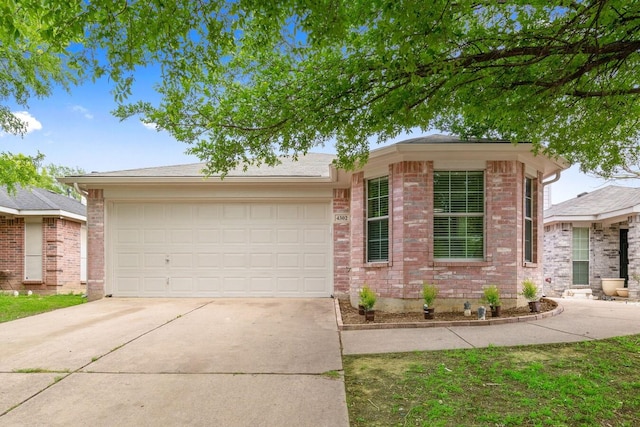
[634, 256]
[95, 245]
[341, 240]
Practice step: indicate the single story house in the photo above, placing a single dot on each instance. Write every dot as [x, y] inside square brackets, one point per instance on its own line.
[459, 214]
[42, 242]
[592, 237]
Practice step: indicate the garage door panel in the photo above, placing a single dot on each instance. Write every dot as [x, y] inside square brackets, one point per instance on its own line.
[317, 261]
[206, 259]
[234, 212]
[231, 236]
[238, 260]
[206, 235]
[128, 236]
[288, 236]
[234, 285]
[289, 260]
[181, 236]
[155, 260]
[181, 285]
[153, 214]
[154, 236]
[209, 249]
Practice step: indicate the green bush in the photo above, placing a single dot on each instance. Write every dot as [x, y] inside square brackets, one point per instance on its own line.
[492, 296]
[530, 290]
[429, 294]
[367, 298]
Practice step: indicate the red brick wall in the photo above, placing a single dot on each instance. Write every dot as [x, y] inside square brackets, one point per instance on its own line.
[341, 241]
[61, 241]
[95, 245]
[411, 237]
[11, 253]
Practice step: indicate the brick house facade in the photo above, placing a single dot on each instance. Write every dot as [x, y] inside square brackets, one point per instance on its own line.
[41, 242]
[407, 255]
[593, 237]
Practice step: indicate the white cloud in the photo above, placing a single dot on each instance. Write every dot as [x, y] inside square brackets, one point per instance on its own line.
[80, 109]
[150, 126]
[31, 122]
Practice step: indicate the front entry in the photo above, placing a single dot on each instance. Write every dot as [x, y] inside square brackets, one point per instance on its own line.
[624, 256]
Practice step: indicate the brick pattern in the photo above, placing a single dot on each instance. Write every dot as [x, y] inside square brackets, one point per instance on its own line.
[11, 253]
[411, 238]
[634, 255]
[557, 259]
[61, 240]
[95, 245]
[604, 255]
[341, 242]
[60, 261]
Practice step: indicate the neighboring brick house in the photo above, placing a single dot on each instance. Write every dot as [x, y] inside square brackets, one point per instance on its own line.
[42, 242]
[593, 236]
[460, 214]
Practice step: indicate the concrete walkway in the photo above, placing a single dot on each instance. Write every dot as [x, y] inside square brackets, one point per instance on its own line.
[581, 320]
[174, 362]
[227, 362]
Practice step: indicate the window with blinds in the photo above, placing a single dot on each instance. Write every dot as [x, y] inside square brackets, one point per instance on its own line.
[378, 219]
[528, 220]
[458, 218]
[580, 256]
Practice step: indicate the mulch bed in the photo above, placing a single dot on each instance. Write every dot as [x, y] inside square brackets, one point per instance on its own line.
[350, 315]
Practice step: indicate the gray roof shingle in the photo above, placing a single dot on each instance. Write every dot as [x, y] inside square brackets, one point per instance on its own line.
[310, 165]
[608, 199]
[39, 199]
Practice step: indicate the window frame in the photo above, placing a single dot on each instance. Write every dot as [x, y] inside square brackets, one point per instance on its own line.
[580, 262]
[529, 225]
[378, 219]
[455, 217]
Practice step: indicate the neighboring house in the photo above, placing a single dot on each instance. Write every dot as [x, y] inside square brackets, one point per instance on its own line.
[42, 241]
[593, 236]
[436, 209]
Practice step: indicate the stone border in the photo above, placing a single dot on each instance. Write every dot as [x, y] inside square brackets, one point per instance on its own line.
[444, 324]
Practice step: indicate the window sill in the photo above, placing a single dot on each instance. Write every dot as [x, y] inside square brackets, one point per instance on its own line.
[377, 264]
[530, 264]
[32, 282]
[462, 264]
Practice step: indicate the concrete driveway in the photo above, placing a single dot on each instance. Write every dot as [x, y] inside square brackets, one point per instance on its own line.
[231, 362]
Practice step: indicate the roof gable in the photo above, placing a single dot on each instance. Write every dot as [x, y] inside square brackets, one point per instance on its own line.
[36, 201]
[604, 202]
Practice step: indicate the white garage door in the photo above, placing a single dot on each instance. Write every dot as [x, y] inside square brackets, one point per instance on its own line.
[220, 250]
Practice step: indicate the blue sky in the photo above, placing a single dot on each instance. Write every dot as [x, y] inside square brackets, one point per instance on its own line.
[78, 130]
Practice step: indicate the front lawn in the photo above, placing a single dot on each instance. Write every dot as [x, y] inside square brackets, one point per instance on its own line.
[12, 308]
[594, 383]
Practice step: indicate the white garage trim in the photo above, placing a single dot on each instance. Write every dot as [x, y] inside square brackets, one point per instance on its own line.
[219, 249]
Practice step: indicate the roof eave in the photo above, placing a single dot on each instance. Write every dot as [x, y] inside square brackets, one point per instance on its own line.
[52, 213]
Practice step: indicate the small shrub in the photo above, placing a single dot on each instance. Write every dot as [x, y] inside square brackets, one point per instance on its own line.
[367, 298]
[429, 294]
[530, 290]
[492, 296]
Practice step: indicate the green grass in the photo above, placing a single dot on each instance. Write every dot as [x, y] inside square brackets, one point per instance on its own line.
[12, 308]
[595, 383]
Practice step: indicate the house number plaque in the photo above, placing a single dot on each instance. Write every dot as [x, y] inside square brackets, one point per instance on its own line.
[341, 218]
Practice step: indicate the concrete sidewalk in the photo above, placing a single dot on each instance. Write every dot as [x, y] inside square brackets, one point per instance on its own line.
[581, 320]
[174, 362]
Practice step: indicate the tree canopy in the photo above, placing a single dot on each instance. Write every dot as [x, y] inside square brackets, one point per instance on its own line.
[245, 81]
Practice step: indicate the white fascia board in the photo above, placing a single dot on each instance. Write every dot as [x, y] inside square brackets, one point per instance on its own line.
[573, 218]
[466, 151]
[9, 211]
[53, 213]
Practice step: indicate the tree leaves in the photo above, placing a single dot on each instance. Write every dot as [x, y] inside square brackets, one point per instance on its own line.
[245, 81]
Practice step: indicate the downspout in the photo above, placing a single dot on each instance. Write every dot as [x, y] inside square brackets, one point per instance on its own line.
[554, 179]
